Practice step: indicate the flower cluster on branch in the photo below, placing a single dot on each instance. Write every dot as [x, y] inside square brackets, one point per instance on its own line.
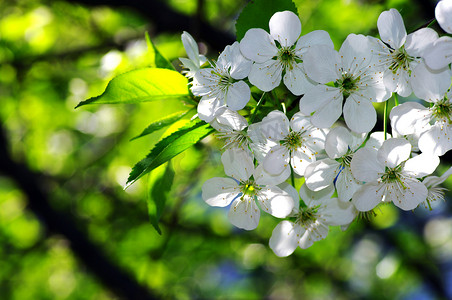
[328, 139]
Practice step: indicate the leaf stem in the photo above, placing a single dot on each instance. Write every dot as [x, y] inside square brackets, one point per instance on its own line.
[396, 99]
[426, 24]
[292, 176]
[385, 116]
[255, 109]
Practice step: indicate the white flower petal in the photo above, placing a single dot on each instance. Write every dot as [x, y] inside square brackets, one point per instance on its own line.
[439, 55]
[228, 120]
[346, 184]
[391, 80]
[398, 82]
[368, 196]
[436, 140]
[204, 82]
[191, 48]
[372, 86]
[257, 45]
[219, 191]
[314, 139]
[267, 75]
[311, 198]
[403, 85]
[326, 115]
[322, 63]
[300, 159]
[430, 86]
[262, 177]
[321, 174]
[297, 81]
[443, 14]
[431, 181]
[208, 107]
[188, 64]
[393, 152]
[409, 118]
[381, 54]
[300, 122]
[237, 163]
[285, 27]
[260, 145]
[317, 97]
[338, 213]
[420, 41]
[317, 231]
[357, 140]
[275, 201]
[284, 239]
[277, 160]
[337, 142]
[365, 166]
[377, 139]
[239, 65]
[391, 28]
[316, 37]
[306, 240]
[293, 194]
[354, 52]
[414, 194]
[421, 165]
[359, 114]
[275, 126]
[238, 95]
[244, 213]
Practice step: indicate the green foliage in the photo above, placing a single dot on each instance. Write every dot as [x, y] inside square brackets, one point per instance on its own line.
[169, 147]
[157, 59]
[257, 14]
[51, 58]
[149, 84]
[158, 195]
[162, 123]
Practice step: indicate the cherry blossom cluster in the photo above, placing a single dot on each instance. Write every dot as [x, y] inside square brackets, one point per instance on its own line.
[348, 170]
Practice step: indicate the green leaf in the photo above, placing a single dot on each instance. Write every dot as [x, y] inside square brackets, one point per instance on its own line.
[169, 147]
[162, 123]
[142, 85]
[257, 14]
[158, 195]
[157, 59]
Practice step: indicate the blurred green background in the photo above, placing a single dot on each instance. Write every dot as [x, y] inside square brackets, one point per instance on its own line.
[68, 230]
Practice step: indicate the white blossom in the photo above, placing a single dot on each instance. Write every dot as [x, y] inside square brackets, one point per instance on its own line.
[390, 175]
[400, 59]
[311, 222]
[435, 192]
[195, 60]
[340, 146]
[296, 142]
[222, 84]
[376, 140]
[432, 124]
[281, 52]
[353, 78]
[364, 168]
[230, 127]
[247, 186]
